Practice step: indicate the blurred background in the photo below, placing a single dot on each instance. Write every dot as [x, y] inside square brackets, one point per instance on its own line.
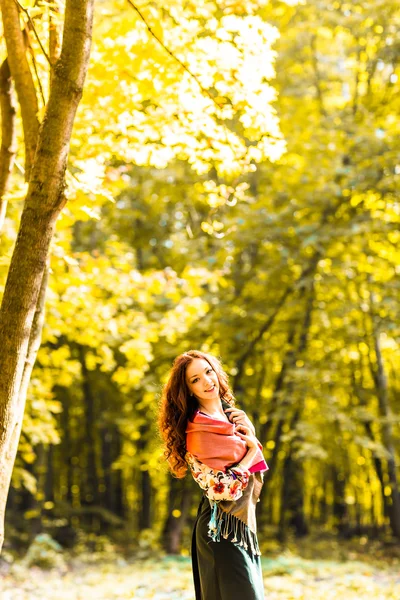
[234, 188]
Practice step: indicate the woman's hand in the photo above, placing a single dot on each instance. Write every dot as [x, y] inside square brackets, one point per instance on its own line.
[247, 435]
[239, 417]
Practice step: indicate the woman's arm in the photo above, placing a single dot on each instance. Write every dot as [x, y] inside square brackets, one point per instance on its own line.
[219, 485]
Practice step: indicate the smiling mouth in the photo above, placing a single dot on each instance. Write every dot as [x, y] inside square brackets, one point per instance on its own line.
[211, 389]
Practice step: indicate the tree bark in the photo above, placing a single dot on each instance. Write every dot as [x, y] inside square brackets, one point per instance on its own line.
[54, 36]
[377, 461]
[292, 500]
[145, 508]
[8, 135]
[381, 387]
[91, 492]
[144, 517]
[340, 508]
[112, 496]
[22, 76]
[179, 497]
[43, 203]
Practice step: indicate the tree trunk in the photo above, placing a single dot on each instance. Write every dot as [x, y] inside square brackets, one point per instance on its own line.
[381, 387]
[8, 135]
[179, 499]
[340, 508]
[65, 450]
[22, 76]
[43, 204]
[112, 497]
[144, 520]
[292, 505]
[49, 479]
[377, 461]
[91, 495]
[145, 507]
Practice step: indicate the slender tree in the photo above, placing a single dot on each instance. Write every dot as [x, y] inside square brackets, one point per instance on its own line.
[19, 330]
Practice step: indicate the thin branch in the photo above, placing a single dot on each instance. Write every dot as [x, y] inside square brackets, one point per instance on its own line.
[317, 74]
[25, 10]
[155, 36]
[357, 80]
[202, 89]
[36, 70]
[263, 329]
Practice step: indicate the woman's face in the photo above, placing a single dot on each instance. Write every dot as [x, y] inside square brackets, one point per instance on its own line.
[201, 377]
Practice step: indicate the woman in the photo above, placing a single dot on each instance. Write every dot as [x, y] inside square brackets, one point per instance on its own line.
[203, 430]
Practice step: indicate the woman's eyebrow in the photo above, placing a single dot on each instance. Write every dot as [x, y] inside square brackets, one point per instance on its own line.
[196, 375]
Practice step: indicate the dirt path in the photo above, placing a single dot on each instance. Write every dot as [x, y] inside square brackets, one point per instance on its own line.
[171, 579]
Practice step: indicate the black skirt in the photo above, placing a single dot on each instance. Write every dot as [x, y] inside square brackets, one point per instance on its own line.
[223, 570]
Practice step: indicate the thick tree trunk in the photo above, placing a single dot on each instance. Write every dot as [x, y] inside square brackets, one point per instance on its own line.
[8, 135]
[43, 204]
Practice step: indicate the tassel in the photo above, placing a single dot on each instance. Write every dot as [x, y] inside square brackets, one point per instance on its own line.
[243, 536]
[214, 525]
[226, 528]
[213, 521]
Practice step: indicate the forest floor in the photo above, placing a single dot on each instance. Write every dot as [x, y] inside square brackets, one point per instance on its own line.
[305, 572]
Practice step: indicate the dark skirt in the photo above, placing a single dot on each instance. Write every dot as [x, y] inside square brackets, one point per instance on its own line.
[223, 570]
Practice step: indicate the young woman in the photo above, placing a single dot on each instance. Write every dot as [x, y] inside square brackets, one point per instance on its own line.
[204, 432]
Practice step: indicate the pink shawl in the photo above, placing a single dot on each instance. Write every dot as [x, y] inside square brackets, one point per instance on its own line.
[215, 443]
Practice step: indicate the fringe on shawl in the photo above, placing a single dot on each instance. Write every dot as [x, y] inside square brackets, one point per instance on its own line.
[243, 536]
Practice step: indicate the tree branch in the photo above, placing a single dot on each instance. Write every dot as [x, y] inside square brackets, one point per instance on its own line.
[315, 64]
[32, 25]
[32, 53]
[22, 77]
[265, 327]
[54, 38]
[203, 89]
[35, 337]
[8, 135]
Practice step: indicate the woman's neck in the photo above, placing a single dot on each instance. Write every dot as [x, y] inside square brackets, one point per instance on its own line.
[212, 408]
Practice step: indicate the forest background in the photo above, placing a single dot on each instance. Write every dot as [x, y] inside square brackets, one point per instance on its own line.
[232, 186]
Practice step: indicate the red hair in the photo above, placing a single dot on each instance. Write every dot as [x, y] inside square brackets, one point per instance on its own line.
[177, 406]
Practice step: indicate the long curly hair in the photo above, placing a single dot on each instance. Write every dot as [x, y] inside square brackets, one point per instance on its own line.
[177, 406]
